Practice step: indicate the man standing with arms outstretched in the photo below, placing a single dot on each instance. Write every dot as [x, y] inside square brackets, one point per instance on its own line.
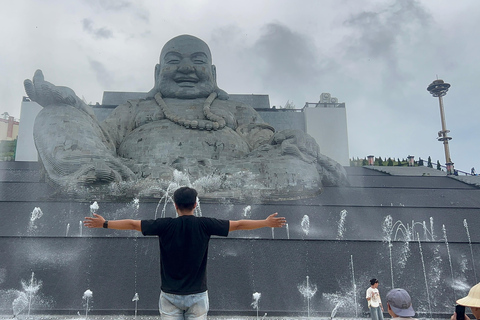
[184, 251]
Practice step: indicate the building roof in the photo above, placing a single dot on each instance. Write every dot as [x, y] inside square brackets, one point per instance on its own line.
[115, 98]
[257, 101]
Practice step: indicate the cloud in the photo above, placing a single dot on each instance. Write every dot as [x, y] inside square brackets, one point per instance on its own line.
[99, 33]
[115, 5]
[385, 34]
[226, 35]
[286, 61]
[110, 5]
[121, 8]
[103, 76]
[379, 32]
[284, 52]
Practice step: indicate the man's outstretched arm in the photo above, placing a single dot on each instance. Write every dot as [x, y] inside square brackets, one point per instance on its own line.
[126, 224]
[272, 221]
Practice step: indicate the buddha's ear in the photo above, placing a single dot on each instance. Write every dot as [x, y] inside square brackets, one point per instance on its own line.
[222, 95]
[157, 74]
[214, 72]
[156, 84]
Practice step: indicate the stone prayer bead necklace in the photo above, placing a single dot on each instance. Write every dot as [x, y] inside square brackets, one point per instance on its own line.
[214, 121]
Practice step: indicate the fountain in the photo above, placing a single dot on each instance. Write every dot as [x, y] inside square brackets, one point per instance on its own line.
[310, 247]
[471, 248]
[305, 224]
[135, 299]
[307, 291]
[19, 304]
[387, 231]
[331, 222]
[425, 277]
[449, 261]
[94, 207]
[27, 298]
[256, 298]
[338, 301]
[68, 230]
[247, 212]
[354, 287]
[341, 224]
[35, 215]
[87, 297]
[31, 288]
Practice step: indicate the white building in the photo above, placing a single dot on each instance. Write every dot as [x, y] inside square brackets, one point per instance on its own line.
[326, 121]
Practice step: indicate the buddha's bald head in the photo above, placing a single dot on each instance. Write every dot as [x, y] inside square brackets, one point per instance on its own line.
[185, 43]
[185, 70]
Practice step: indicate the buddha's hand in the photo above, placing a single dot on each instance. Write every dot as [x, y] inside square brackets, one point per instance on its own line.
[297, 143]
[47, 94]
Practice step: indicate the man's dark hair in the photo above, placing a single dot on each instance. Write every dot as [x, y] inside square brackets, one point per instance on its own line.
[185, 198]
[373, 281]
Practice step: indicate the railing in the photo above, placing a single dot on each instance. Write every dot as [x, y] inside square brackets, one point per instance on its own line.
[434, 165]
[444, 168]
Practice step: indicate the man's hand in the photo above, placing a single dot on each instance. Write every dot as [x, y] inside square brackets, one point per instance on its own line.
[275, 222]
[272, 221]
[94, 222]
[454, 316]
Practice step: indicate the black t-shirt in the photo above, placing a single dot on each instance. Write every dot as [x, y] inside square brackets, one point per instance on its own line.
[184, 250]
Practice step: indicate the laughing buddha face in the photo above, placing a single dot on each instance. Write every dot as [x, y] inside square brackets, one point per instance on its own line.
[185, 70]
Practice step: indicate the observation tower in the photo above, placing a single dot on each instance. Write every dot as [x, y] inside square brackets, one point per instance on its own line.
[438, 88]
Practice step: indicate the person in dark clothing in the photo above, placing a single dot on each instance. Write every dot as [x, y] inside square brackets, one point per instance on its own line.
[183, 251]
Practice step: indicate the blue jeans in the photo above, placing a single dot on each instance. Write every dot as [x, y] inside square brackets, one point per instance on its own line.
[183, 307]
[376, 313]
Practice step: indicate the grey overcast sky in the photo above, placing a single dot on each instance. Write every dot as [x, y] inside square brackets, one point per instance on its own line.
[377, 56]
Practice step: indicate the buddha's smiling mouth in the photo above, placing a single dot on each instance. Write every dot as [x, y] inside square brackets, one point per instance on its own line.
[190, 80]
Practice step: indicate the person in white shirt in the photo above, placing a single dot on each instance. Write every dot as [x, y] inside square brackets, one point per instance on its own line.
[374, 301]
[399, 304]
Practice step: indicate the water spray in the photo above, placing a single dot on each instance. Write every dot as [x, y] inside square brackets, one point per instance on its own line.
[471, 249]
[256, 298]
[305, 224]
[87, 296]
[136, 298]
[450, 261]
[425, 277]
[308, 292]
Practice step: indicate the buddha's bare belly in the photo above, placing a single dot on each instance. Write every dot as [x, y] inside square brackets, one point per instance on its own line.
[164, 142]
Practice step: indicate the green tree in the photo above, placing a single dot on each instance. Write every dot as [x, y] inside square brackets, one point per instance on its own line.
[289, 105]
[390, 162]
[364, 162]
[7, 150]
[380, 161]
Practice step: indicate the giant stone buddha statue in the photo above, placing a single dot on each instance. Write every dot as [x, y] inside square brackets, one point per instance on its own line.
[185, 125]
